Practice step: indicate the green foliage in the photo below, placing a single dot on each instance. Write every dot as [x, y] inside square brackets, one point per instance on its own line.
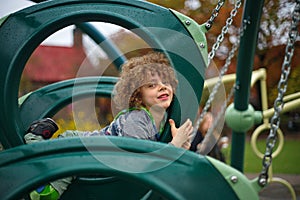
[26, 86]
[84, 115]
[66, 124]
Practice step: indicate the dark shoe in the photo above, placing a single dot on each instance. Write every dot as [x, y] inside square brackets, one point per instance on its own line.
[43, 127]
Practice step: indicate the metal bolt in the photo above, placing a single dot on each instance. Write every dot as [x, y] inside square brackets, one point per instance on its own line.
[234, 179]
[262, 182]
[202, 45]
[247, 21]
[188, 22]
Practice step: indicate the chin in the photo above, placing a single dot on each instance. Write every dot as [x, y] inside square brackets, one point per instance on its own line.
[160, 106]
[166, 105]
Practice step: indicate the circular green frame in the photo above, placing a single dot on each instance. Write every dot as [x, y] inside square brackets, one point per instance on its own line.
[23, 31]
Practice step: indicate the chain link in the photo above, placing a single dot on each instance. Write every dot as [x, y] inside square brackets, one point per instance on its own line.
[210, 139]
[225, 28]
[222, 73]
[279, 103]
[215, 13]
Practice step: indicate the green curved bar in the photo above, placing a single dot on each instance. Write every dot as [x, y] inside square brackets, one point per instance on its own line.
[156, 25]
[52, 98]
[170, 172]
[243, 187]
[197, 32]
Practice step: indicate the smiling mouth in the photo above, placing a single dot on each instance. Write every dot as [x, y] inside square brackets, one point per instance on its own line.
[163, 97]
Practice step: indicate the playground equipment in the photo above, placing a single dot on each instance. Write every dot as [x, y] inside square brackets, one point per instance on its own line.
[122, 167]
[48, 17]
[290, 102]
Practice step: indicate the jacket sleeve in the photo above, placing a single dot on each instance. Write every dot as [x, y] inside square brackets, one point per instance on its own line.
[76, 133]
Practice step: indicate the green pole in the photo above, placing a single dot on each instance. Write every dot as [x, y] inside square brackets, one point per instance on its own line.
[251, 15]
[106, 44]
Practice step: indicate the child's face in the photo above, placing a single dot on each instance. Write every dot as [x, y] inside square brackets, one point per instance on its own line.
[156, 92]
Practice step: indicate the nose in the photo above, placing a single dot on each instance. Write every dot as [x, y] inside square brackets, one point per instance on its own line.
[162, 87]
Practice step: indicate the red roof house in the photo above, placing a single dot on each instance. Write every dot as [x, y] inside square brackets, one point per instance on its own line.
[50, 64]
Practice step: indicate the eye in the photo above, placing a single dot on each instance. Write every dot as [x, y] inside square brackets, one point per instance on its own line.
[151, 85]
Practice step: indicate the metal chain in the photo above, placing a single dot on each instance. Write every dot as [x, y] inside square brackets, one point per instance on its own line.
[225, 28]
[215, 13]
[205, 148]
[278, 103]
[222, 73]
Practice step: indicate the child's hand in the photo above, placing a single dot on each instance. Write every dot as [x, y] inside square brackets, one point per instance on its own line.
[181, 135]
[206, 123]
[187, 145]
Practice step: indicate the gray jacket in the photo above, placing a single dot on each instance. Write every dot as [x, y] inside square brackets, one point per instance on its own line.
[129, 123]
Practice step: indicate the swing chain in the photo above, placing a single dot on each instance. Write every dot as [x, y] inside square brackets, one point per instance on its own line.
[215, 13]
[222, 73]
[209, 136]
[217, 85]
[225, 28]
[278, 103]
[224, 69]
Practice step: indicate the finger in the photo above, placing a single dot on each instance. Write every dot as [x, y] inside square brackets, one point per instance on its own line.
[186, 145]
[190, 129]
[189, 126]
[186, 123]
[190, 137]
[172, 123]
[173, 127]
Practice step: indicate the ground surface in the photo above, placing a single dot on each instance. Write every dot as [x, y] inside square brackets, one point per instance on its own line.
[277, 191]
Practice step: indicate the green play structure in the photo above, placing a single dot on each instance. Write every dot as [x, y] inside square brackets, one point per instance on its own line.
[117, 167]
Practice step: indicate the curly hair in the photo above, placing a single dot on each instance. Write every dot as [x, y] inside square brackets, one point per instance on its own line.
[135, 74]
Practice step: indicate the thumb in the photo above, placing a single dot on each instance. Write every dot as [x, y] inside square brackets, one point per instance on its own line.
[172, 125]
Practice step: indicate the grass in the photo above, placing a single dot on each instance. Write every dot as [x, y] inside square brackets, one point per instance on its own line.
[286, 162]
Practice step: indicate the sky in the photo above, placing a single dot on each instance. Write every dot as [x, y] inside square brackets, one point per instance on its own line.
[60, 38]
[8, 6]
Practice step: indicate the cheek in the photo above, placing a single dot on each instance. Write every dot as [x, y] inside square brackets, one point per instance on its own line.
[148, 96]
[171, 91]
[172, 96]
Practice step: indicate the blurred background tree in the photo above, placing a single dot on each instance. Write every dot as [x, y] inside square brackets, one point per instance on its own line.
[270, 50]
[272, 36]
